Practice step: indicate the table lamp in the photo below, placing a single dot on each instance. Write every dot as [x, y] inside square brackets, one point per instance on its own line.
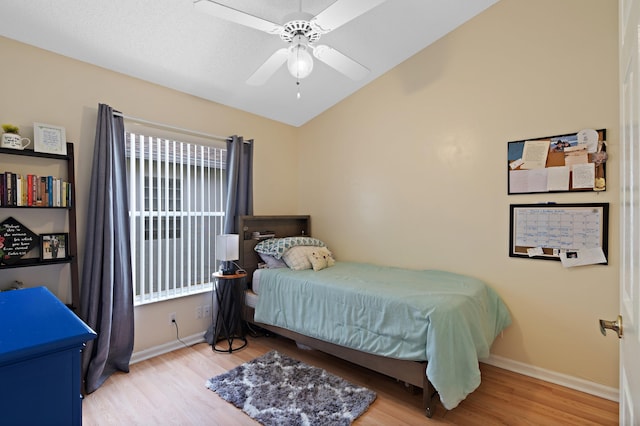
[227, 251]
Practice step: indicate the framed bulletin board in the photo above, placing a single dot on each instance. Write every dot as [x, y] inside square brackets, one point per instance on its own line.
[561, 163]
[549, 231]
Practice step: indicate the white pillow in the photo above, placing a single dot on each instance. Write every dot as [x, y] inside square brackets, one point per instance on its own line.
[297, 258]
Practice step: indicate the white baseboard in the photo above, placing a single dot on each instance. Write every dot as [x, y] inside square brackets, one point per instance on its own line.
[565, 380]
[167, 347]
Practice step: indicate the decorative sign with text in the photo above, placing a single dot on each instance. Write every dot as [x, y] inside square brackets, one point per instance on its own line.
[16, 240]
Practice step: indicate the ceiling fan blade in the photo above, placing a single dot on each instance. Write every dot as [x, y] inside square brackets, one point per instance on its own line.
[270, 66]
[340, 62]
[341, 12]
[232, 15]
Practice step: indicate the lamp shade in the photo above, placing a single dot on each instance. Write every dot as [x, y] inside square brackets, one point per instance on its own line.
[227, 247]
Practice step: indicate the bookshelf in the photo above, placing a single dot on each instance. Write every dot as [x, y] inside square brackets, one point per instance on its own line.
[71, 256]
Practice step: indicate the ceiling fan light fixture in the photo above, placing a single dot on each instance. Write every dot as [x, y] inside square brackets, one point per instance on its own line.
[300, 62]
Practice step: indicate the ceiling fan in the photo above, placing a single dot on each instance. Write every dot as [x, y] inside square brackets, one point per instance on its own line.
[301, 33]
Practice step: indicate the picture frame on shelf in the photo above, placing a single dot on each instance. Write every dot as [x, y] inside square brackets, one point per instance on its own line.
[54, 246]
[49, 139]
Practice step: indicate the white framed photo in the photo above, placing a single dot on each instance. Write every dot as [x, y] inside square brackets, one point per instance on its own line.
[53, 246]
[49, 138]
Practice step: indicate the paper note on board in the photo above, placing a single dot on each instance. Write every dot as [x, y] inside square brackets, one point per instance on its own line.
[576, 155]
[523, 181]
[535, 154]
[592, 256]
[584, 175]
[535, 251]
[558, 178]
[515, 164]
[588, 137]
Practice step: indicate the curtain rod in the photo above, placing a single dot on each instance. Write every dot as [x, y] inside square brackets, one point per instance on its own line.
[168, 127]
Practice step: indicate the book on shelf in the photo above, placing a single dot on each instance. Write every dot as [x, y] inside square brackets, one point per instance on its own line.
[41, 193]
[21, 191]
[50, 191]
[262, 235]
[3, 189]
[9, 185]
[64, 193]
[29, 189]
[17, 190]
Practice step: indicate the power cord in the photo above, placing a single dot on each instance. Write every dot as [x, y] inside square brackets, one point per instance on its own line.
[177, 333]
[240, 270]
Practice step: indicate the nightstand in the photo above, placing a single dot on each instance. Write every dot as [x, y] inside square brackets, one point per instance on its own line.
[227, 325]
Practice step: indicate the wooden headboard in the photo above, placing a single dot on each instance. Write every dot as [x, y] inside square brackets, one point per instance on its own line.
[253, 229]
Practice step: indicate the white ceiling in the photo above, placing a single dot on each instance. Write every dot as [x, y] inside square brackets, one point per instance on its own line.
[169, 43]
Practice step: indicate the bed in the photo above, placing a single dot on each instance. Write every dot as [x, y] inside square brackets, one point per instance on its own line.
[427, 329]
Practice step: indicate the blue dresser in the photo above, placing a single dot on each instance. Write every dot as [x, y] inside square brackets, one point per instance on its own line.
[40, 350]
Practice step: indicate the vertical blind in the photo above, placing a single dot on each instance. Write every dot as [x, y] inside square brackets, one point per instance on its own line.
[177, 193]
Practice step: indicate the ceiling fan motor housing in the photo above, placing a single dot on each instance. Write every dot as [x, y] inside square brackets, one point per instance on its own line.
[299, 27]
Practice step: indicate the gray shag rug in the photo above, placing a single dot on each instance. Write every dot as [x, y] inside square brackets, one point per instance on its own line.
[277, 390]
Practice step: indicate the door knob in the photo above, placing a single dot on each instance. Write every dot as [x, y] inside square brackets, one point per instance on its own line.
[612, 325]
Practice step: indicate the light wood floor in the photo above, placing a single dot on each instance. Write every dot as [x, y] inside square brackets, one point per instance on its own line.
[170, 390]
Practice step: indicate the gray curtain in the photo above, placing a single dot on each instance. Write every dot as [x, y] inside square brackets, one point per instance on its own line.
[239, 182]
[239, 202]
[106, 288]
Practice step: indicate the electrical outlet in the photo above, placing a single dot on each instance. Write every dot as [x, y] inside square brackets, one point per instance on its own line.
[172, 318]
[198, 312]
[206, 311]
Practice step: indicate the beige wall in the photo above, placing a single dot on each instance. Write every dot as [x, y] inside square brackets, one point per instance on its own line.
[44, 87]
[411, 170]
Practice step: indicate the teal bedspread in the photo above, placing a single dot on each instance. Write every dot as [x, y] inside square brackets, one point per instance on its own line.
[447, 319]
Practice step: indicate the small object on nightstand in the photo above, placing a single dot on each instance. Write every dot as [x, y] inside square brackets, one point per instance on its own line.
[227, 326]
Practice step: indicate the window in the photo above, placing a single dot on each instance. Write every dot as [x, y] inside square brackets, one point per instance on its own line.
[176, 201]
